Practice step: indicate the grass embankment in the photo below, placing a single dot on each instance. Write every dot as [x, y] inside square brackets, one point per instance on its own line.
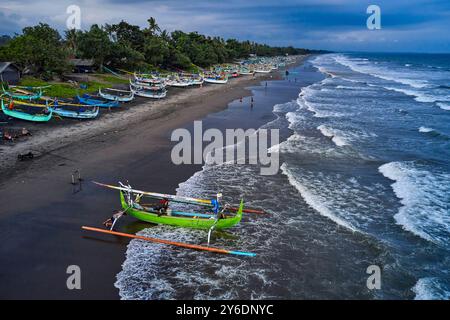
[68, 90]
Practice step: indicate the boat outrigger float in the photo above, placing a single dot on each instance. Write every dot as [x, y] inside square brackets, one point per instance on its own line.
[213, 217]
[172, 243]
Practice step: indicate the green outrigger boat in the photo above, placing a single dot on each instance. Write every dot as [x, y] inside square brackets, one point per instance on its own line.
[20, 114]
[131, 201]
[22, 95]
[181, 219]
[215, 217]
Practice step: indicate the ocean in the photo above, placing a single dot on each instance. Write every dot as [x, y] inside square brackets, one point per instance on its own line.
[364, 180]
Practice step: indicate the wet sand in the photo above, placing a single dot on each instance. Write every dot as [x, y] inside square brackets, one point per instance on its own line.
[42, 212]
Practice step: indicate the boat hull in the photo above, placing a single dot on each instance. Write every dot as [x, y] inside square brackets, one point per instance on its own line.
[97, 103]
[76, 115]
[183, 222]
[112, 97]
[26, 116]
[149, 94]
[216, 81]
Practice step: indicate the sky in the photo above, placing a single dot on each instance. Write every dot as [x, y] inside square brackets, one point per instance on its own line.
[337, 25]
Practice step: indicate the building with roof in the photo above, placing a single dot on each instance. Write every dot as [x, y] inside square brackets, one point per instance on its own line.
[82, 65]
[9, 73]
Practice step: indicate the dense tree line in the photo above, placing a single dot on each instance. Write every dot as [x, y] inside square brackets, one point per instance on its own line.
[4, 39]
[42, 50]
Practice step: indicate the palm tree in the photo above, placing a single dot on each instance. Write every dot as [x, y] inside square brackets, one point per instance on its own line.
[72, 37]
[165, 36]
[153, 26]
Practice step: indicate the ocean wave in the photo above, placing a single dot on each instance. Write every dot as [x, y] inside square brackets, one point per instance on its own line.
[431, 288]
[418, 95]
[319, 113]
[433, 133]
[443, 106]
[425, 129]
[294, 119]
[298, 144]
[351, 88]
[380, 72]
[285, 107]
[140, 278]
[315, 201]
[424, 198]
[336, 135]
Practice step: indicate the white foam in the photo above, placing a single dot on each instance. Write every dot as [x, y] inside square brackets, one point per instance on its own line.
[380, 72]
[443, 106]
[418, 95]
[294, 118]
[430, 289]
[321, 113]
[315, 201]
[424, 199]
[335, 135]
[284, 107]
[425, 129]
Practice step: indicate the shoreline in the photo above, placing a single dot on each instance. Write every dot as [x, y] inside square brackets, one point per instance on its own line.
[40, 224]
[47, 138]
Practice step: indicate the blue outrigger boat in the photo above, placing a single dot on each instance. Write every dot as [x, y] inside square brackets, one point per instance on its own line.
[94, 101]
[74, 111]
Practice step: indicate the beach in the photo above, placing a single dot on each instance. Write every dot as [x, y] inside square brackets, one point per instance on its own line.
[363, 183]
[40, 223]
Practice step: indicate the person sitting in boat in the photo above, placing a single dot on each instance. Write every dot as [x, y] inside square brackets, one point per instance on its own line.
[162, 206]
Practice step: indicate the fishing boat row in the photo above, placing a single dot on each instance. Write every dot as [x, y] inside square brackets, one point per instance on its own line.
[31, 103]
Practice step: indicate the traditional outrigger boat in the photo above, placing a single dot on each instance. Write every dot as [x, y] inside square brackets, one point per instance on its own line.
[131, 201]
[43, 114]
[197, 80]
[179, 82]
[148, 92]
[156, 86]
[22, 95]
[116, 95]
[74, 111]
[246, 72]
[217, 79]
[146, 81]
[98, 102]
[263, 69]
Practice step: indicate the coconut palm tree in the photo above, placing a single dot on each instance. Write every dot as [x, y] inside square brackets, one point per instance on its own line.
[153, 27]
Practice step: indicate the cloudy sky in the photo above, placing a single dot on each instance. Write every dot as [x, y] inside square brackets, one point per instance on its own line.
[407, 25]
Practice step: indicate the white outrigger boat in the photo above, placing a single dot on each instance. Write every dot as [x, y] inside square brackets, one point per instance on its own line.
[148, 93]
[178, 82]
[216, 79]
[263, 70]
[116, 95]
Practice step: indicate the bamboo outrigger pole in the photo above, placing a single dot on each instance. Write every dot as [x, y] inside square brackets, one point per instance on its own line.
[172, 243]
[181, 199]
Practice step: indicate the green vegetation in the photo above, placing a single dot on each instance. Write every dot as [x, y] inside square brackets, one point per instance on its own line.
[44, 53]
[4, 39]
[39, 49]
[65, 90]
[111, 79]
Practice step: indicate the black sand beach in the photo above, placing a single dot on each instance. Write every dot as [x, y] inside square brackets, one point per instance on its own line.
[42, 213]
